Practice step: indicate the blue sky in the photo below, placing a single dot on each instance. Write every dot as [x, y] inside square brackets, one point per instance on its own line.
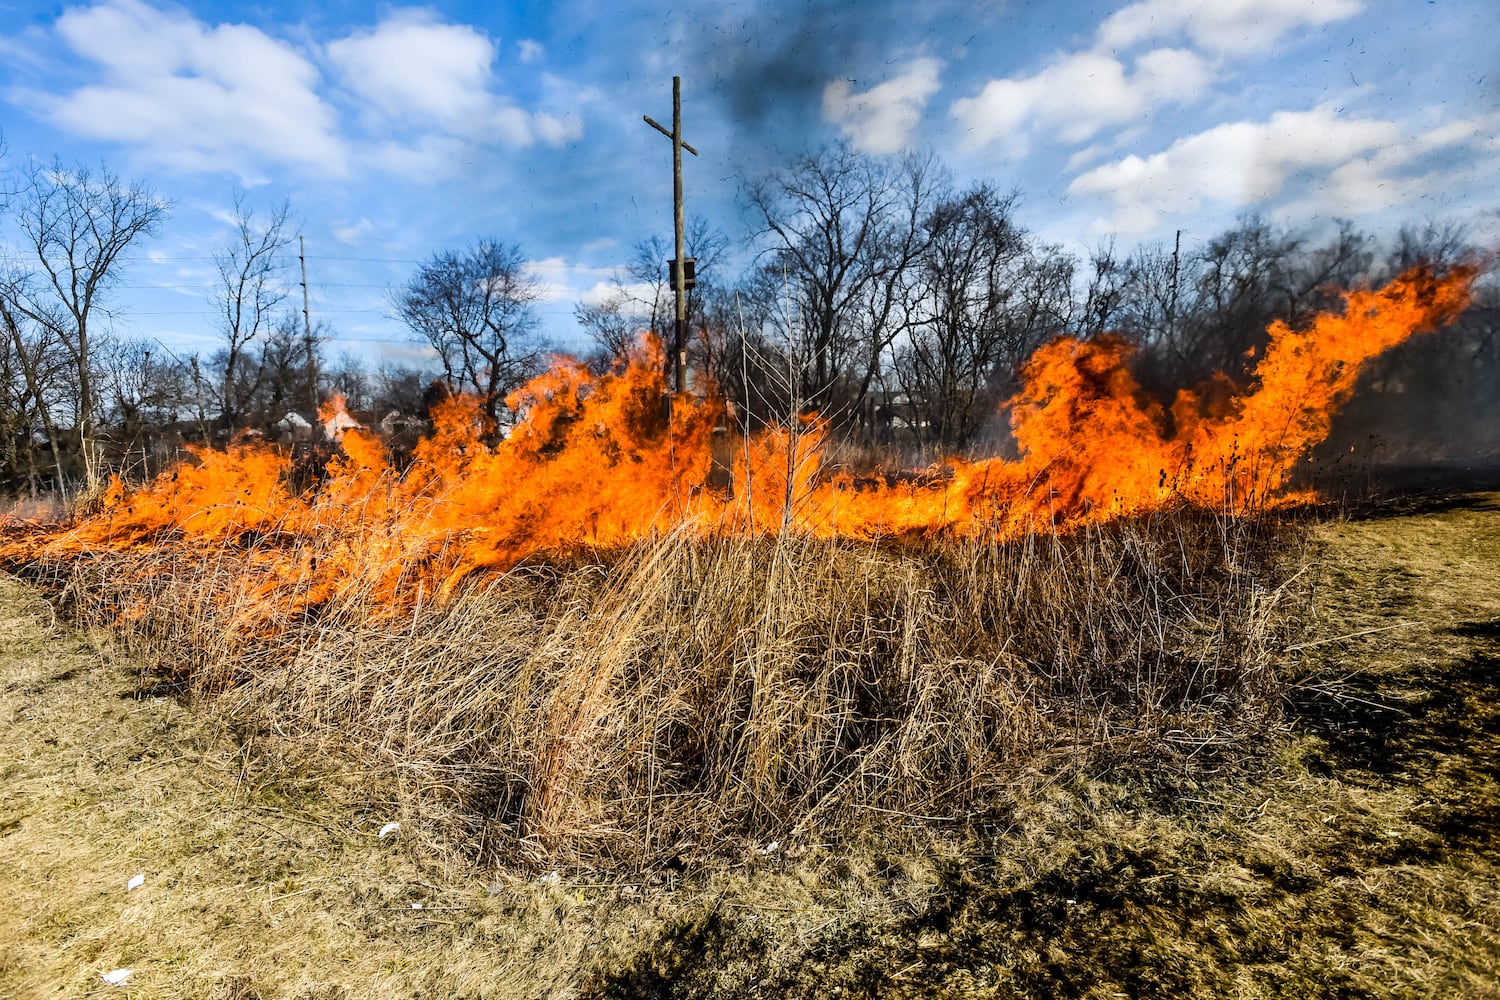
[396, 131]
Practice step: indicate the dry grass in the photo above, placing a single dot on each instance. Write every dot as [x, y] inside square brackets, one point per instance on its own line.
[265, 875]
[683, 698]
[1361, 859]
[1351, 852]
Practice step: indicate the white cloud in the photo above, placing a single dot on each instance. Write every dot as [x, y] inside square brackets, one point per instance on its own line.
[636, 293]
[551, 275]
[1223, 26]
[881, 119]
[556, 131]
[529, 50]
[24, 49]
[353, 233]
[1439, 165]
[191, 96]
[1337, 165]
[562, 281]
[1083, 157]
[429, 155]
[1170, 75]
[409, 66]
[228, 97]
[419, 74]
[1079, 95]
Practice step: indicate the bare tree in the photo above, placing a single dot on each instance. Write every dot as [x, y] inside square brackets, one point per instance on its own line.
[247, 297]
[1206, 311]
[1435, 399]
[400, 388]
[16, 421]
[641, 297]
[844, 232]
[286, 370]
[351, 376]
[1435, 243]
[146, 390]
[1041, 306]
[1098, 313]
[475, 308]
[961, 314]
[80, 225]
[612, 325]
[37, 370]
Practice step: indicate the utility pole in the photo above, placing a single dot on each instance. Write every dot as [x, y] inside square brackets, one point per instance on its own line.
[312, 364]
[1172, 309]
[679, 285]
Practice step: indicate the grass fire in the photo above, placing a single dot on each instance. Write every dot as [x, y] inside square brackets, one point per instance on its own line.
[822, 500]
[643, 644]
[597, 462]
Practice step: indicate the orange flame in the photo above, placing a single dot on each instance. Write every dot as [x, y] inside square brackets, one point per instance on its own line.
[597, 461]
[333, 416]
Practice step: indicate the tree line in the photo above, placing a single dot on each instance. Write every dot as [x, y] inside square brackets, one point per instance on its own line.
[902, 307]
[881, 295]
[77, 401]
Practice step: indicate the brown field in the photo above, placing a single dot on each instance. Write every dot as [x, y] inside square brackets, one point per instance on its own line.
[1174, 758]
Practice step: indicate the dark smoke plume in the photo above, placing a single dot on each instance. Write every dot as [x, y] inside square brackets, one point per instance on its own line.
[769, 62]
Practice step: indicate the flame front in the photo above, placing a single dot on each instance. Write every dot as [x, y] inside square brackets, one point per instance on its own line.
[597, 461]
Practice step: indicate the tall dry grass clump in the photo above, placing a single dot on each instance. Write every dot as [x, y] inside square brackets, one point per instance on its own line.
[682, 696]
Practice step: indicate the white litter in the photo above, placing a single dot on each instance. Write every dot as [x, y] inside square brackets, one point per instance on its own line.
[388, 829]
[551, 878]
[771, 848]
[136, 882]
[416, 906]
[117, 977]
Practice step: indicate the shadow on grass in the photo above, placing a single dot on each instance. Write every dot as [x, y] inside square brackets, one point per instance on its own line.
[1436, 728]
[1403, 491]
[1140, 918]
[146, 690]
[1130, 919]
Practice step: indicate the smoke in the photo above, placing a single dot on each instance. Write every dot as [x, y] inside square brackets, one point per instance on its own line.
[769, 63]
[1429, 407]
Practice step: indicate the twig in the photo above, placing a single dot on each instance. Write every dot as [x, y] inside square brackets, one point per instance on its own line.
[299, 892]
[912, 815]
[1350, 635]
[1340, 696]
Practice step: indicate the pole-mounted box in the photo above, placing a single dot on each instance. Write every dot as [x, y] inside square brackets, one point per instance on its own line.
[689, 272]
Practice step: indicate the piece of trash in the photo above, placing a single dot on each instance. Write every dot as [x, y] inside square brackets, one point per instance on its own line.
[136, 882]
[495, 888]
[771, 848]
[388, 829]
[117, 977]
[551, 878]
[416, 906]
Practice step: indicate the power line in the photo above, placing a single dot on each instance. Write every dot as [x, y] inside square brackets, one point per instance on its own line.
[319, 284]
[559, 310]
[211, 312]
[545, 265]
